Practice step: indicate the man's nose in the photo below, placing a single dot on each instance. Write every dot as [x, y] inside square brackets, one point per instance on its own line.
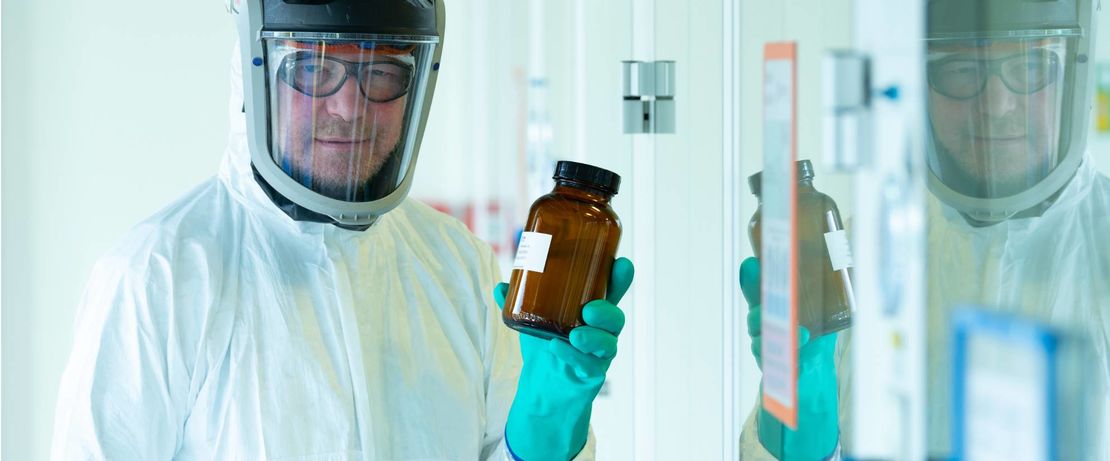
[1000, 99]
[347, 102]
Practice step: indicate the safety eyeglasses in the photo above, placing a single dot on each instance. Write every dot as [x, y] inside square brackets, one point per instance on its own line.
[322, 76]
[960, 77]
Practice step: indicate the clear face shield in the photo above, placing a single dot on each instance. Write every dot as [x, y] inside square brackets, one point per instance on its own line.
[344, 114]
[997, 113]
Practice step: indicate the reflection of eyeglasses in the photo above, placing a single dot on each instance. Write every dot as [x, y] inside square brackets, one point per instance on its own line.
[322, 76]
[962, 78]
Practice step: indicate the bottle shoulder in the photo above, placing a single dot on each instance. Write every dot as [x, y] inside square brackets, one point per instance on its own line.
[810, 198]
[553, 205]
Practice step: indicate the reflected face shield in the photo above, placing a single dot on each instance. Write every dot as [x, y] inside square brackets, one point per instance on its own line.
[997, 113]
[343, 114]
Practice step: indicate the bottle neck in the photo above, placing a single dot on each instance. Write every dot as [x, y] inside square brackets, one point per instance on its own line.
[581, 191]
[806, 184]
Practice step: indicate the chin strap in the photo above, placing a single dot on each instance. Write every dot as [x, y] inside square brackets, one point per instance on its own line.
[1034, 211]
[297, 212]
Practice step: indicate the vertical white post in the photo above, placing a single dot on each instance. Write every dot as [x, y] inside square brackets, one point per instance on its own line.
[579, 66]
[479, 123]
[535, 39]
[730, 205]
[643, 249]
[888, 343]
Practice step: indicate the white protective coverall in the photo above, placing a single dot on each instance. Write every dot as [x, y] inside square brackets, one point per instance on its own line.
[221, 329]
[1054, 268]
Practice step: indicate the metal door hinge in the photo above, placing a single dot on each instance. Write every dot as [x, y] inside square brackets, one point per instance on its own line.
[649, 97]
[847, 101]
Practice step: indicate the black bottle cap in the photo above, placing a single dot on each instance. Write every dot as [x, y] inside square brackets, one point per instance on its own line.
[805, 173]
[589, 175]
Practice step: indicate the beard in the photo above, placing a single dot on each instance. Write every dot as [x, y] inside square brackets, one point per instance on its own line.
[996, 170]
[995, 158]
[340, 159]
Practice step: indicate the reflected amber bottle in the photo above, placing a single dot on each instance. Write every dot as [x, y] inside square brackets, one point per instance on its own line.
[565, 253]
[824, 291]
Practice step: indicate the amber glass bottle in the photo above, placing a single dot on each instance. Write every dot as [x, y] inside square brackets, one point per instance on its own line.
[565, 253]
[824, 291]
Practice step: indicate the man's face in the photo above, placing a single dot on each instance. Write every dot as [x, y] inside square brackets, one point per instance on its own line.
[1007, 132]
[341, 140]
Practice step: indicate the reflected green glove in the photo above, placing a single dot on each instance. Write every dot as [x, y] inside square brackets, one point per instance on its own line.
[550, 415]
[818, 432]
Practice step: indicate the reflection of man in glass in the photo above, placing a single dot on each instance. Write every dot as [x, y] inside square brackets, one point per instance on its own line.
[1019, 220]
[995, 113]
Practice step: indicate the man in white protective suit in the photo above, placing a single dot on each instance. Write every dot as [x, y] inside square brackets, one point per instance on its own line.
[297, 306]
[1018, 218]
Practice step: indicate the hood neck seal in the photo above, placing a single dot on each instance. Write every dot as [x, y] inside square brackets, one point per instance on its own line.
[297, 212]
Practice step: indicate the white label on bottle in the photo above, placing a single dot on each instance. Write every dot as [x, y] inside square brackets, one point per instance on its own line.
[840, 253]
[531, 255]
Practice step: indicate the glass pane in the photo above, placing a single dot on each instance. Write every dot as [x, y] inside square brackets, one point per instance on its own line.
[1017, 217]
[978, 178]
[782, 169]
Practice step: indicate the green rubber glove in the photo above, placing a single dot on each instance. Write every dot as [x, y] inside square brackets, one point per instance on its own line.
[818, 430]
[550, 415]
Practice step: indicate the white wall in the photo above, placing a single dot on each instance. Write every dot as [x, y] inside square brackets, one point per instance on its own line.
[110, 110]
[470, 144]
[692, 330]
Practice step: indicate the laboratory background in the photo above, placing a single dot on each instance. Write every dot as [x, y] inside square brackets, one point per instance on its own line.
[92, 143]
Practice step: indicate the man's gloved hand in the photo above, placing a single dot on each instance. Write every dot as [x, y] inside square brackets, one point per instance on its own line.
[818, 431]
[550, 415]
